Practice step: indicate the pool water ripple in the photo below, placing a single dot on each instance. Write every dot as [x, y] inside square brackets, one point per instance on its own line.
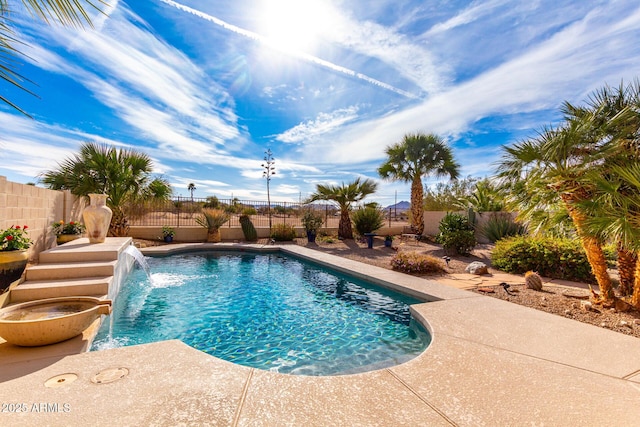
[266, 311]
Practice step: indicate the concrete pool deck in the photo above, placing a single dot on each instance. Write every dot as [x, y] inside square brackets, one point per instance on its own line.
[491, 362]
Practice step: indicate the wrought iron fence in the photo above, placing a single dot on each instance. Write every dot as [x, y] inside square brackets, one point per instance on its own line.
[184, 211]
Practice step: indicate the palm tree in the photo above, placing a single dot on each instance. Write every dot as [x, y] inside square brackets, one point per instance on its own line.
[486, 197]
[613, 214]
[416, 156]
[68, 13]
[124, 175]
[344, 196]
[191, 188]
[555, 165]
[613, 114]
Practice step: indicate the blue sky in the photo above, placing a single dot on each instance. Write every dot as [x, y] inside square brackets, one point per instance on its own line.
[205, 87]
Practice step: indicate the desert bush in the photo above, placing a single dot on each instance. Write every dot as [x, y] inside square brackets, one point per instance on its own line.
[550, 257]
[249, 211]
[456, 234]
[367, 220]
[283, 232]
[212, 203]
[500, 226]
[414, 262]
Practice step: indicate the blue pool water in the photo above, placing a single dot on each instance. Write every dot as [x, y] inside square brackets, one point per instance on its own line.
[265, 311]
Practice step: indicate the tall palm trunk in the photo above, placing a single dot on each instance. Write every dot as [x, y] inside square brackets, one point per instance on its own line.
[344, 228]
[119, 226]
[417, 207]
[593, 249]
[627, 265]
[635, 298]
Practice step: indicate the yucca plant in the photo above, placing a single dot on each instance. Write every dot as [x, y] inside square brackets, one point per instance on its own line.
[212, 220]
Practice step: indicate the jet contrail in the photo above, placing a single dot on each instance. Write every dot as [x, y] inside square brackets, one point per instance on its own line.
[301, 55]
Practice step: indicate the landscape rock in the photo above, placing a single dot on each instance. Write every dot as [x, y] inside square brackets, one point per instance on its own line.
[477, 267]
[588, 306]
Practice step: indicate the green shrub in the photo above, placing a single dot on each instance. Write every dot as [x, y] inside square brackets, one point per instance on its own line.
[550, 257]
[414, 262]
[367, 220]
[501, 226]
[212, 202]
[249, 231]
[249, 211]
[283, 232]
[456, 234]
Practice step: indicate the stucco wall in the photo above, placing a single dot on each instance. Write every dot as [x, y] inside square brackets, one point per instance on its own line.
[36, 207]
[432, 222]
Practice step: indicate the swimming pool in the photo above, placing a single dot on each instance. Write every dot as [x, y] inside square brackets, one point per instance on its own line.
[267, 311]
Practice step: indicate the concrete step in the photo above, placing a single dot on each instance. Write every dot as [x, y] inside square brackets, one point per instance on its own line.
[70, 270]
[40, 289]
[81, 250]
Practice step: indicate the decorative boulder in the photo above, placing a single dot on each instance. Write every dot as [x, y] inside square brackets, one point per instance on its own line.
[477, 267]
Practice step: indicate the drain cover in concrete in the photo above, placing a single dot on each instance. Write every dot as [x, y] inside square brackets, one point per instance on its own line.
[109, 375]
[60, 380]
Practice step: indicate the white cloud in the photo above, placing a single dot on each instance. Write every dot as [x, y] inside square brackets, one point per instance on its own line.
[323, 123]
[539, 79]
[152, 86]
[474, 12]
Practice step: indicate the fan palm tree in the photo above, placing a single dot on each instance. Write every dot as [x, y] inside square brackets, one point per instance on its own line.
[613, 214]
[191, 188]
[124, 175]
[344, 196]
[69, 13]
[555, 164]
[486, 197]
[416, 156]
[571, 160]
[613, 114]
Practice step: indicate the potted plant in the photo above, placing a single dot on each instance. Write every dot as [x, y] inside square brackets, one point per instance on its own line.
[388, 241]
[212, 220]
[14, 244]
[66, 232]
[168, 233]
[312, 221]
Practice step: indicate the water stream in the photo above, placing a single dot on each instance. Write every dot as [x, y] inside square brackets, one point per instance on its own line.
[139, 258]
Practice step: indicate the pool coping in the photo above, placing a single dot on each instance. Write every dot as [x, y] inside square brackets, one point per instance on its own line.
[490, 362]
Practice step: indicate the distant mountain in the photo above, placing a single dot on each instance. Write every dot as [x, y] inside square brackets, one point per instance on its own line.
[400, 206]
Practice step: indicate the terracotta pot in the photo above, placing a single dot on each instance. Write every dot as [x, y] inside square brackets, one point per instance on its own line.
[97, 217]
[64, 238]
[12, 264]
[51, 320]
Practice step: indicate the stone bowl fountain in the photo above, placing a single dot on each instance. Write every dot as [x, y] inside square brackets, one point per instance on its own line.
[48, 321]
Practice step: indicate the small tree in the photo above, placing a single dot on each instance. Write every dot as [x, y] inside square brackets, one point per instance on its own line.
[344, 196]
[456, 234]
